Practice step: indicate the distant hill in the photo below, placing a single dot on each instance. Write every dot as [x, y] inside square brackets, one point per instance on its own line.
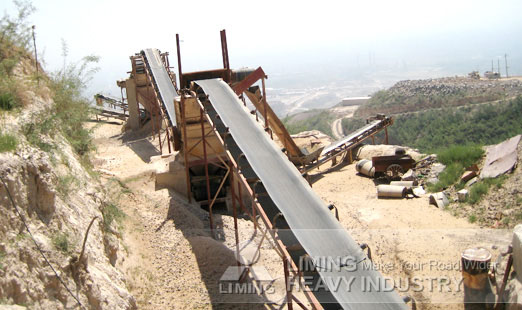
[430, 130]
[417, 95]
[432, 113]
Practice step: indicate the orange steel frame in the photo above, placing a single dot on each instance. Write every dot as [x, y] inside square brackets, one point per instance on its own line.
[158, 111]
[256, 210]
[227, 162]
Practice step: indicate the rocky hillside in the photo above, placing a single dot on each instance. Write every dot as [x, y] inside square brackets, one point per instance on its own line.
[416, 95]
[49, 196]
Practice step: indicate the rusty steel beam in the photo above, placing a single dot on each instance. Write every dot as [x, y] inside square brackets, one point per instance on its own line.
[224, 49]
[185, 151]
[253, 77]
[180, 72]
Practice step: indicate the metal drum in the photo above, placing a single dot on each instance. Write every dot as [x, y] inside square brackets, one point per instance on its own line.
[365, 167]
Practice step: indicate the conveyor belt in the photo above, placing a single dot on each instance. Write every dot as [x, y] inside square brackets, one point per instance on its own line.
[350, 137]
[308, 217]
[165, 88]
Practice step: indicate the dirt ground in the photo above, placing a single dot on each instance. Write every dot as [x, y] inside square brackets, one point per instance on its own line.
[169, 257]
[171, 262]
[409, 238]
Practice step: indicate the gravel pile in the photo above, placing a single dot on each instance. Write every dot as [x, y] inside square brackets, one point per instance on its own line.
[455, 86]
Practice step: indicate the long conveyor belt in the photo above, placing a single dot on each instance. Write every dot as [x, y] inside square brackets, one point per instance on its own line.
[347, 143]
[350, 137]
[163, 84]
[307, 216]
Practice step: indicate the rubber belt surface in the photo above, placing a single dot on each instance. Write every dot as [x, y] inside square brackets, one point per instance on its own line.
[316, 229]
[348, 138]
[167, 92]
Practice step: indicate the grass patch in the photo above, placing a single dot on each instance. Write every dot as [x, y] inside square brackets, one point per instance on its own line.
[2, 258]
[518, 216]
[456, 158]
[448, 177]
[111, 213]
[477, 191]
[66, 183]
[7, 102]
[61, 242]
[43, 125]
[466, 155]
[7, 143]
[481, 188]
[21, 236]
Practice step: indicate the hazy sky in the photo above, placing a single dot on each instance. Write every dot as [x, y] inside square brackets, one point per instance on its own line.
[282, 36]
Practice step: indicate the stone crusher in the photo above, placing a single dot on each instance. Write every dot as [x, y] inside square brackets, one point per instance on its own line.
[228, 154]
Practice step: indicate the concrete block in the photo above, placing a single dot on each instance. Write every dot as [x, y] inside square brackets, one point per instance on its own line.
[409, 176]
[439, 199]
[462, 195]
[170, 174]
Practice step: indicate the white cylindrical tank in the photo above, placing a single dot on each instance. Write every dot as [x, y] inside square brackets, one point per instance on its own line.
[365, 167]
[391, 191]
[407, 184]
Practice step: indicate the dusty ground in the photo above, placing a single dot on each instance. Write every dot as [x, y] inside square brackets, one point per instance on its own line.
[409, 238]
[172, 262]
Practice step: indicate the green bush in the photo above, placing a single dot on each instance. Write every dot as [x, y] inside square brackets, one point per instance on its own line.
[61, 242]
[430, 131]
[2, 257]
[111, 213]
[477, 191]
[42, 124]
[65, 184]
[448, 177]
[15, 34]
[7, 143]
[482, 124]
[7, 101]
[481, 188]
[466, 155]
[71, 108]
[456, 158]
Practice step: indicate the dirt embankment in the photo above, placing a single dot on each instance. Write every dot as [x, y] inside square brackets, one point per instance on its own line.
[42, 229]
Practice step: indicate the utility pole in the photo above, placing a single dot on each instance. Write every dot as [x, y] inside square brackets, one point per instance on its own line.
[492, 68]
[498, 66]
[505, 58]
[35, 56]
